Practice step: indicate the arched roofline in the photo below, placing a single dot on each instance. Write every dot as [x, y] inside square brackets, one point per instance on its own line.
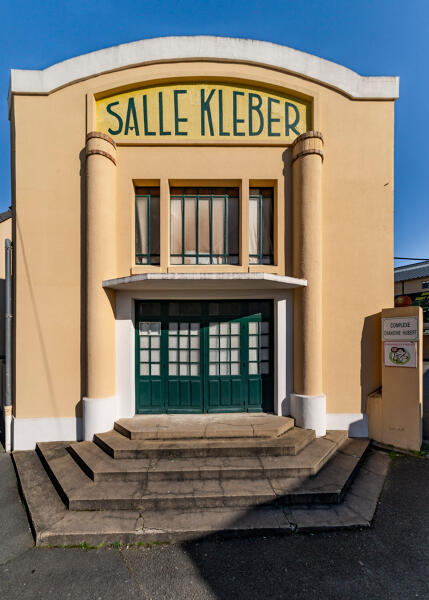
[201, 47]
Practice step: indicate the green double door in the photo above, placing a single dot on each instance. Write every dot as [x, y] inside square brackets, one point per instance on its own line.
[199, 357]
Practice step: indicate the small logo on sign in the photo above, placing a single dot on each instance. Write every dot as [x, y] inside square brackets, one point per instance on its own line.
[399, 355]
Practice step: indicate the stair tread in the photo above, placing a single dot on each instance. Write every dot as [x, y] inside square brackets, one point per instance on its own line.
[208, 426]
[310, 459]
[120, 442]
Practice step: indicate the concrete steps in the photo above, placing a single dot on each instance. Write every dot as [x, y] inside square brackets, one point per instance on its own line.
[100, 466]
[289, 444]
[161, 484]
[144, 479]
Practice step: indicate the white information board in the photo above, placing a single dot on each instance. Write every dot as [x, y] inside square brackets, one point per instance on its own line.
[400, 329]
[400, 354]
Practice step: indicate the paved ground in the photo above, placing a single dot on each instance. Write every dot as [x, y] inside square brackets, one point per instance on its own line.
[389, 561]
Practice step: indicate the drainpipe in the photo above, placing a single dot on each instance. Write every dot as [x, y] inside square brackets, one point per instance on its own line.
[8, 348]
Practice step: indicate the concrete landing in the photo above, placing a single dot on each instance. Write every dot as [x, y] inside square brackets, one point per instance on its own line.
[207, 426]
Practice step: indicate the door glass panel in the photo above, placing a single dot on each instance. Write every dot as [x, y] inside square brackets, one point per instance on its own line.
[259, 342]
[184, 362]
[149, 353]
[224, 361]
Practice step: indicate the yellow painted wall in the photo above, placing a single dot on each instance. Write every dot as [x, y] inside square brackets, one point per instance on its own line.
[49, 133]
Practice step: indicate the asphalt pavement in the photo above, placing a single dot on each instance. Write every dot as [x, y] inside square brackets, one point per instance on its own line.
[388, 561]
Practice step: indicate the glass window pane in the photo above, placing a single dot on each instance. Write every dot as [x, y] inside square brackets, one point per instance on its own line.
[265, 368]
[195, 328]
[235, 328]
[253, 368]
[172, 369]
[172, 327]
[253, 341]
[184, 369]
[141, 225]
[144, 341]
[253, 225]
[172, 342]
[183, 356]
[224, 369]
[265, 340]
[214, 342]
[144, 369]
[214, 328]
[195, 355]
[154, 229]
[172, 355]
[233, 227]
[155, 369]
[253, 327]
[253, 355]
[235, 341]
[267, 226]
[235, 369]
[265, 327]
[155, 329]
[154, 356]
[190, 226]
[265, 354]
[184, 328]
[144, 355]
[224, 328]
[204, 226]
[223, 340]
[144, 328]
[155, 342]
[213, 369]
[195, 342]
[195, 370]
[218, 225]
[176, 227]
[183, 342]
[235, 355]
[224, 355]
[214, 355]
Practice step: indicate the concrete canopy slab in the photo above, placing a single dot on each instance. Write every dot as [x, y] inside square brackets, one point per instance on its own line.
[205, 281]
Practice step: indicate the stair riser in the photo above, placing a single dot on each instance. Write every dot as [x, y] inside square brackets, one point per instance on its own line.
[200, 452]
[195, 502]
[250, 474]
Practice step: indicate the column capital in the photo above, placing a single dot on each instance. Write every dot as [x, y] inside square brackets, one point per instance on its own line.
[310, 142]
[101, 144]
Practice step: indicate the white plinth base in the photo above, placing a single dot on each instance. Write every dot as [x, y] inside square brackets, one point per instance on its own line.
[309, 412]
[99, 415]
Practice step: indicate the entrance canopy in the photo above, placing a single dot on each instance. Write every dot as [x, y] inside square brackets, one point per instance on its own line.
[205, 281]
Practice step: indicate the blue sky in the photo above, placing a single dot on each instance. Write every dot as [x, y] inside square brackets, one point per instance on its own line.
[372, 37]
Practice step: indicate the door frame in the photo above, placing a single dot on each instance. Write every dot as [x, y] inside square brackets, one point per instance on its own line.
[248, 382]
[125, 338]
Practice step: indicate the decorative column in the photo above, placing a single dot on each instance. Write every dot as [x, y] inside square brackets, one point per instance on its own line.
[99, 407]
[308, 402]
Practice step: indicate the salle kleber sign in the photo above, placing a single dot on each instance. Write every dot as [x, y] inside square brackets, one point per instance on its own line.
[203, 112]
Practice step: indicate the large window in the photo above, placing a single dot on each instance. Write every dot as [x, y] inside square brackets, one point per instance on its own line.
[204, 226]
[147, 225]
[261, 202]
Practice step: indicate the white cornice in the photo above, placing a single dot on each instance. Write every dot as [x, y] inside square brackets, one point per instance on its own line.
[203, 48]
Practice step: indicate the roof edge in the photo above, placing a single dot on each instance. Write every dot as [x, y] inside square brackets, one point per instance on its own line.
[204, 48]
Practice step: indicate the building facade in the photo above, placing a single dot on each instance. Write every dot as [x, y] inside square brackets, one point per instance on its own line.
[200, 224]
